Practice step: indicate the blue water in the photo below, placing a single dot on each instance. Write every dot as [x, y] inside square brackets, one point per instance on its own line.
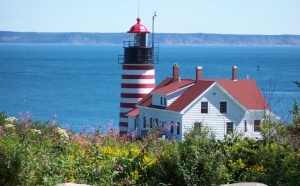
[81, 83]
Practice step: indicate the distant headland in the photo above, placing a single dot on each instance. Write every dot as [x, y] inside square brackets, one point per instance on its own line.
[161, 38]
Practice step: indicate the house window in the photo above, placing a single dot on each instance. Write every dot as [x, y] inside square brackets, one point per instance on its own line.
[204, 107]
[229, 128]
[223, 107]
[144, 122]
[161, 100]
[178, 128]
[151, 122]
[197, 126]
[171, 124]
[156, 122]
[256, 125]
[135, 123]
[165, 101]
[163, 124]
[245, 122]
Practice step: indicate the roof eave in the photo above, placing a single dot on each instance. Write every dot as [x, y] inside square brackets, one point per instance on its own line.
[183, 111]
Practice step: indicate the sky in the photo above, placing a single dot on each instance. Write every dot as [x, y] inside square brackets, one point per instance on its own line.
[266, 17]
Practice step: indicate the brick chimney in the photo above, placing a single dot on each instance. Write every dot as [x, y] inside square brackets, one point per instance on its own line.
[234, 73]
[198, 73]
[175, 72]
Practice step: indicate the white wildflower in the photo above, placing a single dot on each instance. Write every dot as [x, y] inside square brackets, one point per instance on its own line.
[35, 131]
[62, 132]
[10, 120]
[8, 126]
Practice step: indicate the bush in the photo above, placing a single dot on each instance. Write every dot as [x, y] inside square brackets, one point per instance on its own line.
[37, 153]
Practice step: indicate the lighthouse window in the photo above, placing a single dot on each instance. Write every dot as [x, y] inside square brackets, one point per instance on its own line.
[137, 40]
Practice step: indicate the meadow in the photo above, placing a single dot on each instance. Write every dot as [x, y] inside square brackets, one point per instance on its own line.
[44, 153]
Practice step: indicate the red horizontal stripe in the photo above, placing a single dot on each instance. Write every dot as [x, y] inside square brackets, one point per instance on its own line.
[138, 67]
[123, 124]
[128, 95]
[126, 85]
[127, 105]
[138, 76]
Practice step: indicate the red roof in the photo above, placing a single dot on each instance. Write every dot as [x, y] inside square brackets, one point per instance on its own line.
[134, 113]
[188, 96]
[138, 28]
[245, 91]
[174, 86]
[147, 100]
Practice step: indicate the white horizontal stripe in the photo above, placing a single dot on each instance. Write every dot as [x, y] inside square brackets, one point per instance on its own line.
[138, 72]
[130, 100]
[136, 90]
[138, 81]
[123, 119]
[122, 128]
[125, 110]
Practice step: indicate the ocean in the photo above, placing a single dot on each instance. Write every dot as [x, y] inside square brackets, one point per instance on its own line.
[80, 83]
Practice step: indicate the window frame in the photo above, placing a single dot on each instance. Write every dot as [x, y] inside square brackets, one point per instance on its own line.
[151, 122]
[144, 122]
[178, 128]
[229, 128]
[222, 107]
[256, 125]
[201, 107]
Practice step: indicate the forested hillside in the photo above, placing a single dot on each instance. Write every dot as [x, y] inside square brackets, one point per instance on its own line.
[162, 38]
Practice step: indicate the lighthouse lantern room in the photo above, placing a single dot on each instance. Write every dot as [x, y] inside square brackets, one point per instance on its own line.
[138, 74]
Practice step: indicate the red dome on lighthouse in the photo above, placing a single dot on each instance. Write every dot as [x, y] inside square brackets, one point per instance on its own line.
[138, 28]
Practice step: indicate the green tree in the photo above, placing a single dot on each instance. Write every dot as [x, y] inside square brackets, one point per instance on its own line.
[2, 118]
[296, 117]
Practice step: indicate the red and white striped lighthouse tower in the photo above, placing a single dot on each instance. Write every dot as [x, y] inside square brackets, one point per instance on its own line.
[138, 74]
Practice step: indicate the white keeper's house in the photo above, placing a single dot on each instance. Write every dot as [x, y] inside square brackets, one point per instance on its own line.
[223, 105]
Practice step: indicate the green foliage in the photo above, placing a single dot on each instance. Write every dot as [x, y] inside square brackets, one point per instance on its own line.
[37, 153]
[2, 118]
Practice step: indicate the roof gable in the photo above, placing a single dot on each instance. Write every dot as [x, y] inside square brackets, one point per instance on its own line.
[244, 91]
[147, 100]
[189, 95]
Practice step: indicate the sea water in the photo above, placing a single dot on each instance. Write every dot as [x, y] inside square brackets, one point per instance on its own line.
[81, 83]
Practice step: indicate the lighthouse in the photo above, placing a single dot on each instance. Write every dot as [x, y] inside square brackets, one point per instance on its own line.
[138, 73]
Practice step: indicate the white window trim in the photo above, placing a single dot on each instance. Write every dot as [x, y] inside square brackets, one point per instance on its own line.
[207, 107]
[220, 107]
